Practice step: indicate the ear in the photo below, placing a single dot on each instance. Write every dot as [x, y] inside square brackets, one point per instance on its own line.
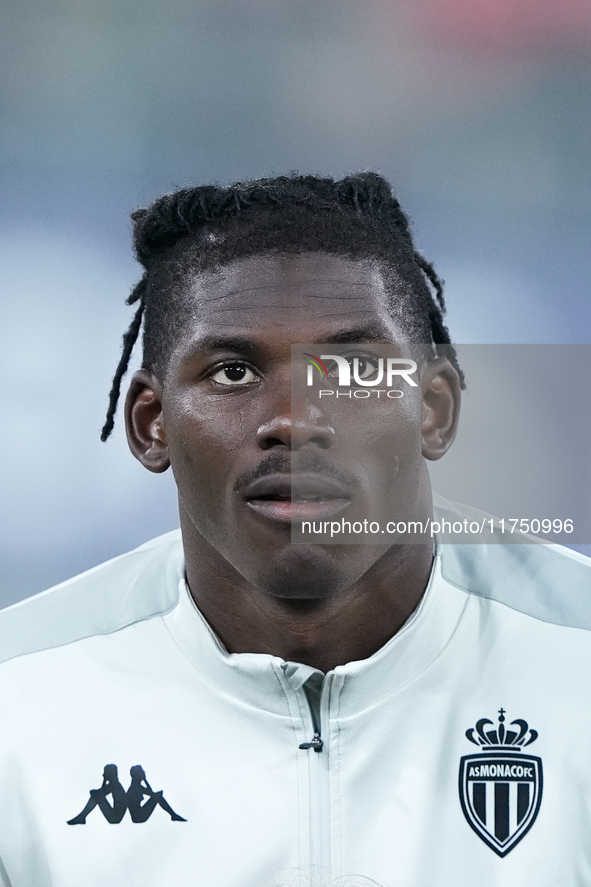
[144, 423]
[441, 407]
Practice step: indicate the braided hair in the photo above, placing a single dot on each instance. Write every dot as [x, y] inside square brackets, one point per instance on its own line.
[203, 228]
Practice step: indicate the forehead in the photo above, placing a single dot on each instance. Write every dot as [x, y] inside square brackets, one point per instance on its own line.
[295, 298]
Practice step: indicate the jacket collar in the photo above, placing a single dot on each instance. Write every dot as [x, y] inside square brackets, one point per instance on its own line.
[258, 678]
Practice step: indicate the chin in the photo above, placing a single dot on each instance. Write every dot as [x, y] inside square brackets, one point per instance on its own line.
[303, 573]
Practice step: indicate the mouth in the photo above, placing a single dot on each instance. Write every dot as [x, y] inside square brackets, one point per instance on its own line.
[296, 497]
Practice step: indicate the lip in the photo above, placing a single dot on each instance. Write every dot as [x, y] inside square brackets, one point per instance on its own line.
[277, 497]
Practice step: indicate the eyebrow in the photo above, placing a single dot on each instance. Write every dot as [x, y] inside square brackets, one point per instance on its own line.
[245, 345]
[225, 343]
[358, 334]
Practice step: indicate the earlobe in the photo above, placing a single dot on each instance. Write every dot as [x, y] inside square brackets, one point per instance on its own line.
[144, 423]
[441, 408]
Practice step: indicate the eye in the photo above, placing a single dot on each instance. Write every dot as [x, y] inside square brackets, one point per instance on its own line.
[234, 374]
[366, 367]
[362, 366]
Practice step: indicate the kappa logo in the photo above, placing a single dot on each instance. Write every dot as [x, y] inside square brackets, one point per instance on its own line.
[132, 799]
[501, 788]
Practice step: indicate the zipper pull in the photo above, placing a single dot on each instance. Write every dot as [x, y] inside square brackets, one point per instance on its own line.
[316, 743]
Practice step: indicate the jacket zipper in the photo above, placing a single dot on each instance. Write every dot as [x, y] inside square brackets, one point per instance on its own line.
[316, 691]
[317, 743]
[313, 691]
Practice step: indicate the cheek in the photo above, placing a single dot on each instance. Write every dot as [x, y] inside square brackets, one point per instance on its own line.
[380, 428]
[205, 442]
[384, 440]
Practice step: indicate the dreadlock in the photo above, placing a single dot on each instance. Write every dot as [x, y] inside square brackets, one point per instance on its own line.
[204, 228]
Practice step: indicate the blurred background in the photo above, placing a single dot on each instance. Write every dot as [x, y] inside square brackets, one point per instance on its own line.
[478, 111]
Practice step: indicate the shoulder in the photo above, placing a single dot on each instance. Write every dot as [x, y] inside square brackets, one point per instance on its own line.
[549, 582]
[130, 588]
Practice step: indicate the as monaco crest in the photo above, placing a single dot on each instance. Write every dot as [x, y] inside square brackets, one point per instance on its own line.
[501, 787]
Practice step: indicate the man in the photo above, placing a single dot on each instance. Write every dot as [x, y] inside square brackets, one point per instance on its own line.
[309, 711]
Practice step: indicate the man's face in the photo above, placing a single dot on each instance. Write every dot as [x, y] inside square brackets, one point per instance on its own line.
[236, 445]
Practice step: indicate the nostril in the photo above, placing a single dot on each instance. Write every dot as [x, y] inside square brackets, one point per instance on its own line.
[295, 435]
[268, 442]
[276, 432]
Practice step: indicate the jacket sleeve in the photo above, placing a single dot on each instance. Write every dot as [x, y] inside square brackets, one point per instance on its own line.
[4, 879]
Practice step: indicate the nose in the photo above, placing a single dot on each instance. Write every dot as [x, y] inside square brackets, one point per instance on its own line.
[295, 425]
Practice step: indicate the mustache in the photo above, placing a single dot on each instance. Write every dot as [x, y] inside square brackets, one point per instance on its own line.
[282, 463]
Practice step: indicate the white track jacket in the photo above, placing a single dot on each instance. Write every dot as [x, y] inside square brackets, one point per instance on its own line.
[136, 752]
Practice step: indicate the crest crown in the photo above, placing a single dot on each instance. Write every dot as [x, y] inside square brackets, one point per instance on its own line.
[502, 736]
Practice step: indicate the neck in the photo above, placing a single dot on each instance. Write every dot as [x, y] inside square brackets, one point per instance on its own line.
[349, 625]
